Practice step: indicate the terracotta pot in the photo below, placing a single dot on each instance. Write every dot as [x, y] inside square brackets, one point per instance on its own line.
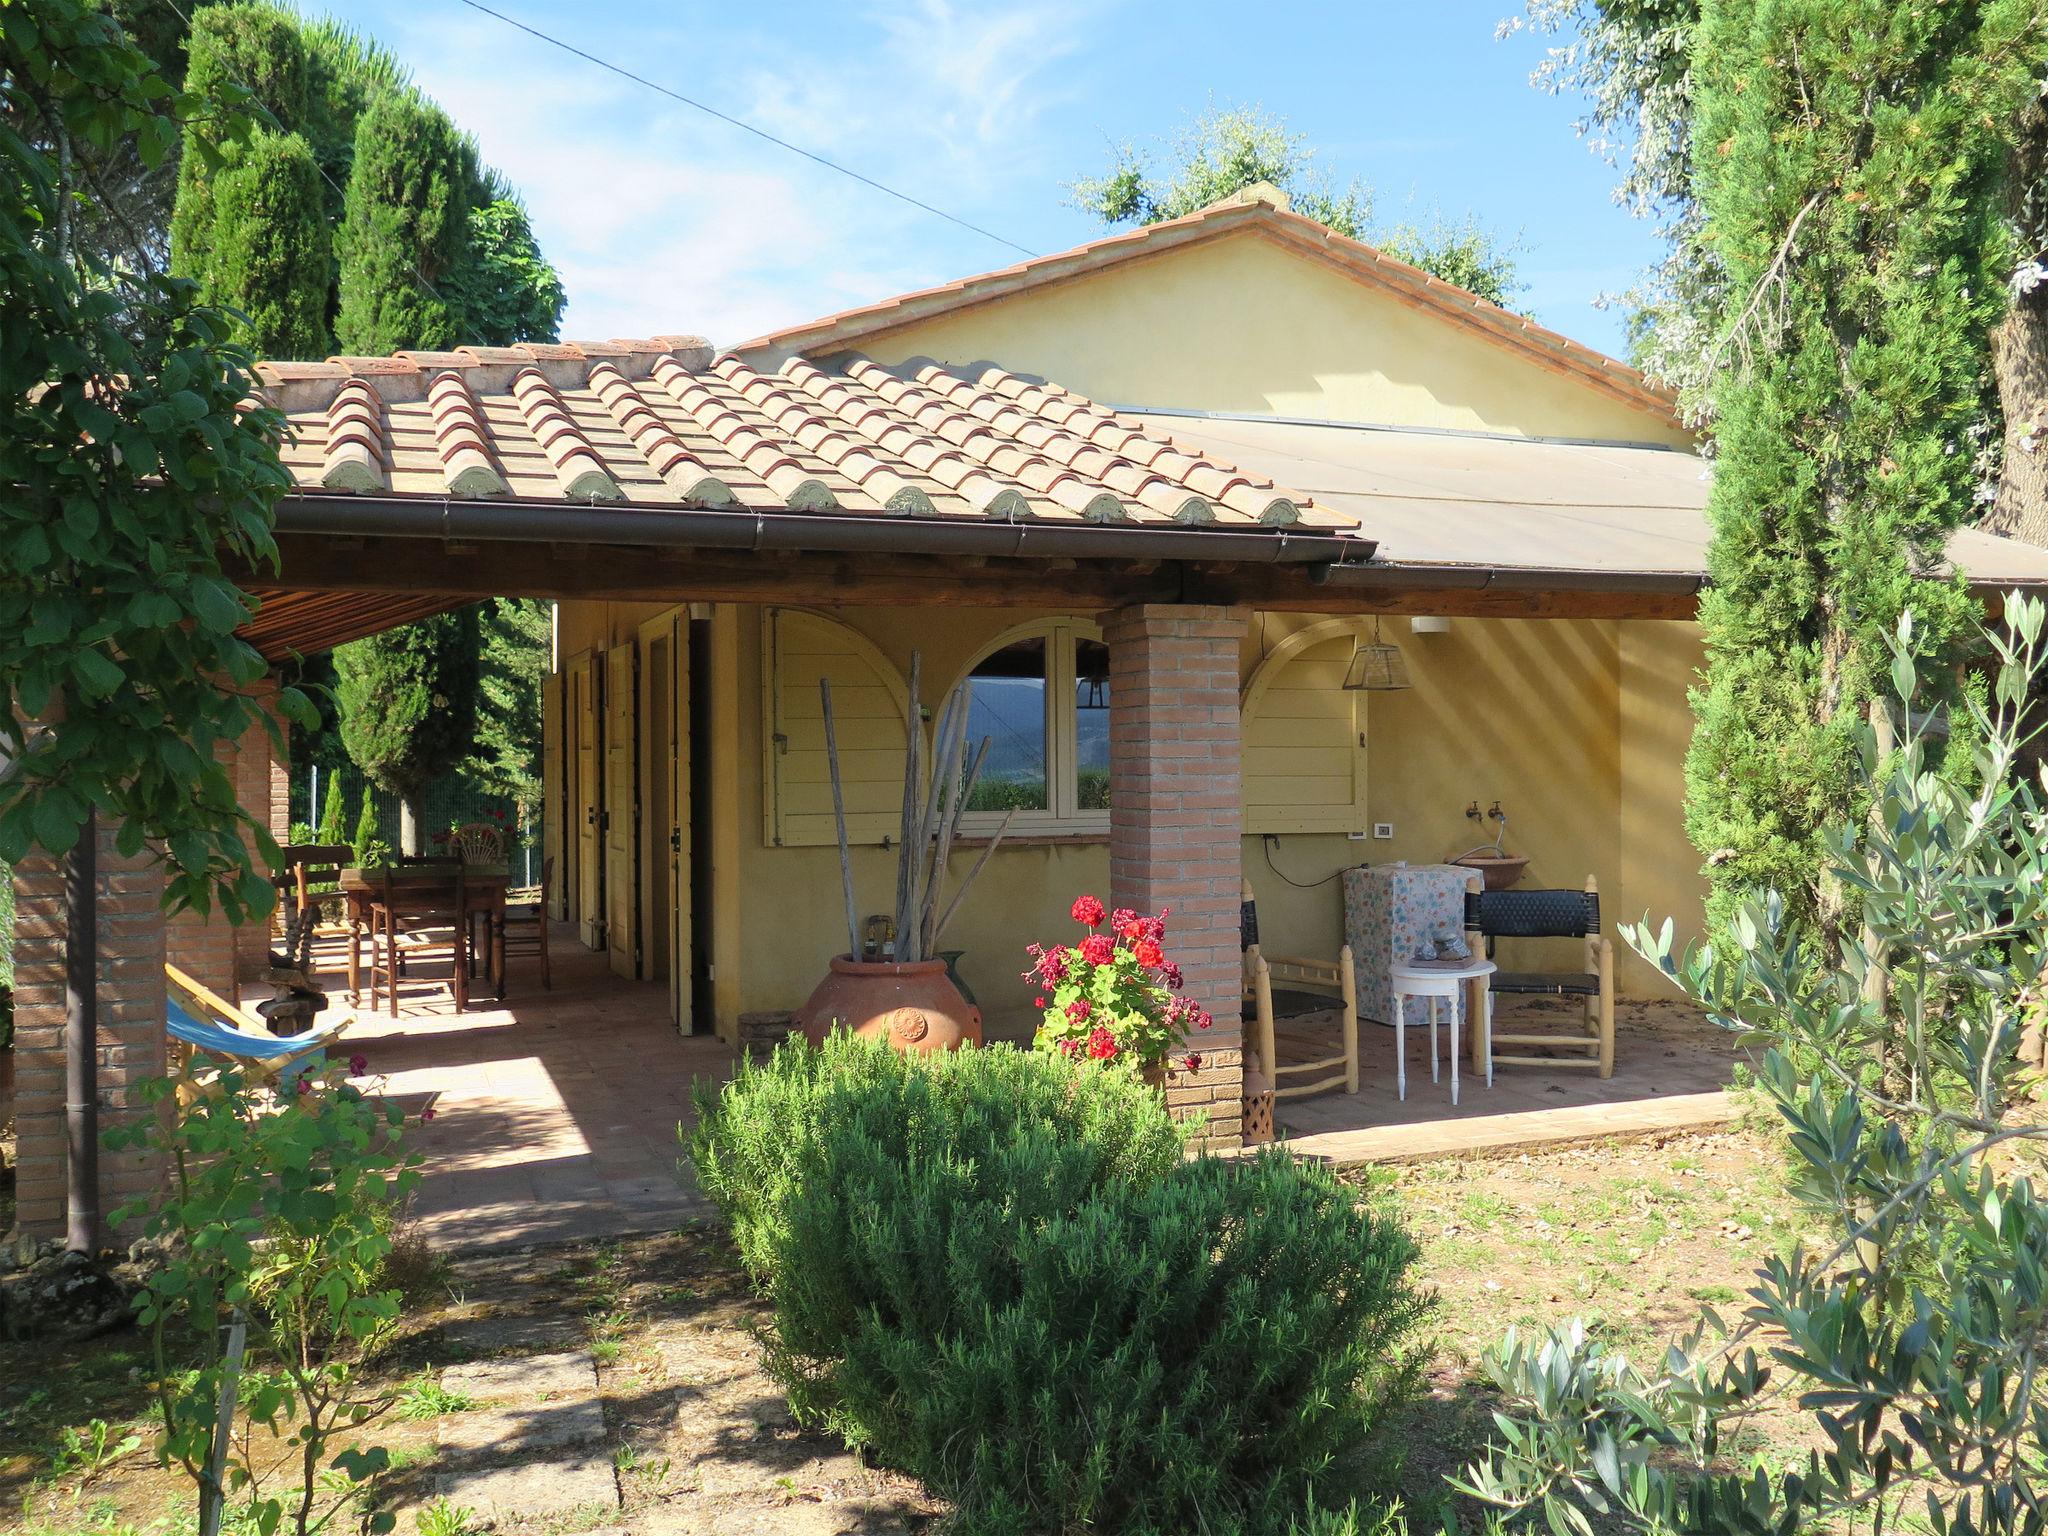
[1500, 870]
[915, 1007]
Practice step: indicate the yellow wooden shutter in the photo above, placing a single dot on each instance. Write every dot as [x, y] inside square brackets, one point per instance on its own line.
[870, 710]
[554, 813]
[1304, 745]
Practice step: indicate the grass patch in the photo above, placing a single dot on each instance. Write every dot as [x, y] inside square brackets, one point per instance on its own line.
[424, 1397]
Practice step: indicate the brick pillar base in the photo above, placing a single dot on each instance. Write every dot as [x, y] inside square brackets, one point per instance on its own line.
[216, 954]
[131, 1028]
[1175, 813]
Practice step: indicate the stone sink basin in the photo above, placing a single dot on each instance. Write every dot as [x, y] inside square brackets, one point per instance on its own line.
[1500, 869]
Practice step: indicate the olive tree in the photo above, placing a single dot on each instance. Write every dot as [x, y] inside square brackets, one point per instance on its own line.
[1901, 1060]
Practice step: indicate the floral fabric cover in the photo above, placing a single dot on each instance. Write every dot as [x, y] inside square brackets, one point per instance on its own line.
[1389, 909]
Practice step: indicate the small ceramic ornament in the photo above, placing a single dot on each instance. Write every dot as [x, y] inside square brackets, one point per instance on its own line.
[1425, 952]
[1451, 947]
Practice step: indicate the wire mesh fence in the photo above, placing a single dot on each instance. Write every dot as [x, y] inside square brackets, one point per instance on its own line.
[451, 801]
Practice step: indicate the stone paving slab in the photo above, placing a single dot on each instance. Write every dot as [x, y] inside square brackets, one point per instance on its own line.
[554, 1425]
[530, 1490]
[527, 1379]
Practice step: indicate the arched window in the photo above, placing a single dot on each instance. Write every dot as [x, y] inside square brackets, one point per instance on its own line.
[1041, 697]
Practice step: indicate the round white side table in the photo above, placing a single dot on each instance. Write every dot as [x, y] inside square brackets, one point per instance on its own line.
[1435, 981]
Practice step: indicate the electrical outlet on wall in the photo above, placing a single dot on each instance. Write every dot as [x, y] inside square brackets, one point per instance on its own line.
[1383, 831]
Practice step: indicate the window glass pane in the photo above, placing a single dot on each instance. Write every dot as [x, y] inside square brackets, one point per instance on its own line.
[1008, 707]
[1091, 724]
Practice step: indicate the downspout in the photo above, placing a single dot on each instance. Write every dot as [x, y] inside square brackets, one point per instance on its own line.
[81, 1041]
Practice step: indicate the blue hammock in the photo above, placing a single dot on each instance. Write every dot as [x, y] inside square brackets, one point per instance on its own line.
[200, 1019]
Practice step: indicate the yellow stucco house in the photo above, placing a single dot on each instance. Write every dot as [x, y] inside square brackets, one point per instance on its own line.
[1151, 494]
[1238, 412]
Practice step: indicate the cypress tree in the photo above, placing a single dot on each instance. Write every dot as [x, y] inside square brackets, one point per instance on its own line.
[251, 226]
[410, 191]
[1848, 157]
[271, 253]
[409, 705]
[333, 829]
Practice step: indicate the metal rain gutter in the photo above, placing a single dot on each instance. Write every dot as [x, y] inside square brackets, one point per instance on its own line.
[1511, 578]
[467, 521]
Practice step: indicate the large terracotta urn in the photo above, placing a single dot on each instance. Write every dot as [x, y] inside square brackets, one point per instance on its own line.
[914, 1006]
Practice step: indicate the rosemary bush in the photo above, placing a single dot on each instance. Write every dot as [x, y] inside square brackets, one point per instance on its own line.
[996, 1272]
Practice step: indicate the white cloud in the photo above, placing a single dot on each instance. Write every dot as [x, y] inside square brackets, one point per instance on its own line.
[661, 219]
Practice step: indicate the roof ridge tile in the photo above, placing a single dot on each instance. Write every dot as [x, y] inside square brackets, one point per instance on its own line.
[459, 435]
[356, 454]
[578, 465]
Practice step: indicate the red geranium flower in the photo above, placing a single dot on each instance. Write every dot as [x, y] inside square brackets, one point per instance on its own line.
[1089, 911]
[1079, 1009]
[1038, 1002]
[1194, 1061]
[1121, 919]
[1101, 1044]
[1149, 954]
[1098, 949]
[1171, 973]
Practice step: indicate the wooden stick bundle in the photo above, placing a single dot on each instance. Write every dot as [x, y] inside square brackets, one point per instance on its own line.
[933, 806]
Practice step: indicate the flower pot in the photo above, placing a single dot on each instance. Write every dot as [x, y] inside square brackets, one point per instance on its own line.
[915, 1007]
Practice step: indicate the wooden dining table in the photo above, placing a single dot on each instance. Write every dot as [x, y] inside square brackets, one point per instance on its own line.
[483, 885]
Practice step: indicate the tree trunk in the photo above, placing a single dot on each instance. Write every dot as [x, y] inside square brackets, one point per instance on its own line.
[412, 810]
[2019, 349]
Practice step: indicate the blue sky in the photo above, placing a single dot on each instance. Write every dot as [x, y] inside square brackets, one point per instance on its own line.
[663, 220]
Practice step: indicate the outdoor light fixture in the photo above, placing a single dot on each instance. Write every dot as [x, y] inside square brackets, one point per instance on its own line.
[1376, 668]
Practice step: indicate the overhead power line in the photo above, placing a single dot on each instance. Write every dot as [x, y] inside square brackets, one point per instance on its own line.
[746, 127]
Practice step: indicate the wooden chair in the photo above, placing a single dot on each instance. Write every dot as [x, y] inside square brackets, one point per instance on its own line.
[526, 926]
[477, 842]
[419, 896]
[1333, 978]
[310, 864]
[1553, 914]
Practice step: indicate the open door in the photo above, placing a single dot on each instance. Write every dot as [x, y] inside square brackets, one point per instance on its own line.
[586, 720]
[621, 818]
[665, 853]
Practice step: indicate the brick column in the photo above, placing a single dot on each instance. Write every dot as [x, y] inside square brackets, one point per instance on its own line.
[211, 951]
[131, 1027]
[1176, 807]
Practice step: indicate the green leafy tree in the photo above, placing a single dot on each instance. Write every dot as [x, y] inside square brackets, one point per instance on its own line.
[504, 288]
[409, 707]
[1904, 1064]
[406, 227]
[1854, 193]
[1228, 149]
[132, 474]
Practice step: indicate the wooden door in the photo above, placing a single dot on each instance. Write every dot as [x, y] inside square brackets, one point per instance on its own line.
[621, 818]
[682, 956]
[665, 937]
[555, 797]
[586, 719]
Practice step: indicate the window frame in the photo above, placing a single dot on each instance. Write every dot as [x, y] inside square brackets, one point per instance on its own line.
[1062, 734]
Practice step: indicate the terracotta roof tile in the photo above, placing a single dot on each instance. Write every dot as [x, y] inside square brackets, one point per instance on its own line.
[663, 423]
